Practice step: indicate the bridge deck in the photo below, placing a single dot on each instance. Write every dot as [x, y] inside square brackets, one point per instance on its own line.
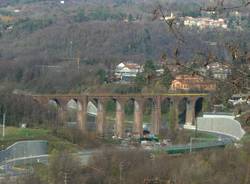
[121, 95]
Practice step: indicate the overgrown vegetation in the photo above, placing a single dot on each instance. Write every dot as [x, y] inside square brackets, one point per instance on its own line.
[113, 166]
[70, 139]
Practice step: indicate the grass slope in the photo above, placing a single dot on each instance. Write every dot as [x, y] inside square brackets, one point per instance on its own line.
[14, 134]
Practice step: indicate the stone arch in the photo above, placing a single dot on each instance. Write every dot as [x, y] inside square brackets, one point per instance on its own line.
[94, 101]
[56, 111]
[79, 104]
[136, 105]
[183, 105]
[165, 112]
[147, 111]
[91, 108]
[53, 107]
[110, 105]
[110, 109]
[198, 106]
[129, 107]
[119, 124]
[54, 102]
[129, 113]
[74, 104]
[148, 102]
[119, 104]
[74, 109]
[138, 117]
[92, 113]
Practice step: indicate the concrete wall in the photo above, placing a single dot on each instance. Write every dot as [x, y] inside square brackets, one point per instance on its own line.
[224, 124]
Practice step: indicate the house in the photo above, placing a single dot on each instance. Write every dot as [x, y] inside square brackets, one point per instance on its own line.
[205, 23]
[127, 71]
[192, 83]
[219, 70]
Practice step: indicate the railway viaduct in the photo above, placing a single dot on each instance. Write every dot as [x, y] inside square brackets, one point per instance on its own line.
[139, 101]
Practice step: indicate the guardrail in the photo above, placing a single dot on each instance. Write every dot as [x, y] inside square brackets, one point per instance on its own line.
[27, 160]
[177, 149]
[24, 149]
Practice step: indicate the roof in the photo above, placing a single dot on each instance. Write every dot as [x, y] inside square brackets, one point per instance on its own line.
[132, 65]
[129, 65]
[189, 78]
[218, 65]
[194, 82]
[192, 79]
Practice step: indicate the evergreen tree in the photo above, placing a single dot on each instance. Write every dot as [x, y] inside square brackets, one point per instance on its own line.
[167, 78]
[149, 71]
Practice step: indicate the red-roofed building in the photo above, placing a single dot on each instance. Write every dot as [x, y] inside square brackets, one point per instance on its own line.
[192, 83]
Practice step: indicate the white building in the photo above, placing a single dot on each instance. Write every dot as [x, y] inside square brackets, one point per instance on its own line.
[17, 11]
[127, 71]
[205, 23]
[219, 70]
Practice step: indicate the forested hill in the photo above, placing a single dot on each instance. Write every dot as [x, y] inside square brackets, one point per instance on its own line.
[93, 29]
[34, 33]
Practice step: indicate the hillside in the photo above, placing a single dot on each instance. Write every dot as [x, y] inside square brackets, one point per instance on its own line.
[36, 33]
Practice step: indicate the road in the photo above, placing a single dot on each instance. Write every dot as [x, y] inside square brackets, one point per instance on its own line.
[84, 155]
[8, 166]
